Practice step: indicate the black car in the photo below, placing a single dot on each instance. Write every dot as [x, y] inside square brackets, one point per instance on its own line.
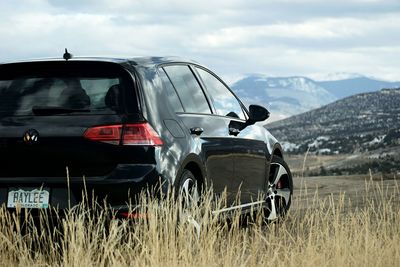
[117, 126]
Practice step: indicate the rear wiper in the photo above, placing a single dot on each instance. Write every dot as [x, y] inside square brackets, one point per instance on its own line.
[50, 110]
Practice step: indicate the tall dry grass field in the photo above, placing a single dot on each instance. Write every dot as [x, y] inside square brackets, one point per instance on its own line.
[331, 232]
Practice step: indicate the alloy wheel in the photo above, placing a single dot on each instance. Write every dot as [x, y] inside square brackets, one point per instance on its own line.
[279, 191]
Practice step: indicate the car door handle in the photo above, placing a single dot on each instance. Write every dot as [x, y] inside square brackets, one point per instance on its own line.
[196, 130]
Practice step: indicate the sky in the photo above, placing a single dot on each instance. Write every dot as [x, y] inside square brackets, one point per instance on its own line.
[235, 38]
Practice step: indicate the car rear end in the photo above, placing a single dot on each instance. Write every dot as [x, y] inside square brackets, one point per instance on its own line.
[70, 129]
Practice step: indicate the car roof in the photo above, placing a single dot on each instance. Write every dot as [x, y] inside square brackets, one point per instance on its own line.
[146, 61]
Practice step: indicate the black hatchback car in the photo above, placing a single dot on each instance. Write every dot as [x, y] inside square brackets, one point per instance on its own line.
[118, 126]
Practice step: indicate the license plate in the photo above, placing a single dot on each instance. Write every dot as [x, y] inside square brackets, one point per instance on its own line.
[28, 198]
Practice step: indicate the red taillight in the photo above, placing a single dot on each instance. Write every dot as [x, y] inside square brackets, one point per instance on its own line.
[110, 134]
[140, 134]
[127, 134]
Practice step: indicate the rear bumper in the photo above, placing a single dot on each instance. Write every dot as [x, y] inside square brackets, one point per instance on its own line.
[118, 189]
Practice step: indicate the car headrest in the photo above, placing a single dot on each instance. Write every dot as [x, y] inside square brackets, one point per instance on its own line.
[112, 97]
[75, 97]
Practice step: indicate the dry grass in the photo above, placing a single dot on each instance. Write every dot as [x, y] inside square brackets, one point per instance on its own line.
[333, 232]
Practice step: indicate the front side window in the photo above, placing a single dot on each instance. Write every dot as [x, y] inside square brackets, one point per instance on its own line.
[188, 89]
[224, 101]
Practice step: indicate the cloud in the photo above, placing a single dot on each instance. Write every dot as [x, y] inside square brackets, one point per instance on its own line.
[326, 31]
[233, 37]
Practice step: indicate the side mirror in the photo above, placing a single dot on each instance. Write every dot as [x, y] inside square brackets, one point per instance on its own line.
[257, 113]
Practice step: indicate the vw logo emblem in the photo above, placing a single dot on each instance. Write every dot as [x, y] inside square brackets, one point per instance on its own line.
[31, 136]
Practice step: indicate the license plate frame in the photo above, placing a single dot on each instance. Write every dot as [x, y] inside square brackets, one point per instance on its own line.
[28, 198]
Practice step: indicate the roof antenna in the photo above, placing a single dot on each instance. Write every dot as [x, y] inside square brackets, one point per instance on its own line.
[67, 55]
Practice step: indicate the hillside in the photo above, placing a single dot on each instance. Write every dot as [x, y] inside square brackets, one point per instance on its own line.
[357, 123]
[354, 135]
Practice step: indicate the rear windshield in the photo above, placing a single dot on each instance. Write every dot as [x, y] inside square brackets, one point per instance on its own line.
[64, 88]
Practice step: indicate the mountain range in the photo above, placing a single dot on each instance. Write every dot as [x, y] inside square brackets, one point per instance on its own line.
[354, 124]
[287, 96]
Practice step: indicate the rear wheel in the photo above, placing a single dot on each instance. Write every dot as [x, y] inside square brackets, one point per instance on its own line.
[189, 195]
[188, 189]
[280, 189]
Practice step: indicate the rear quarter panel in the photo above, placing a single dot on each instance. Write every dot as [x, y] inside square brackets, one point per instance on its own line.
[178, 144]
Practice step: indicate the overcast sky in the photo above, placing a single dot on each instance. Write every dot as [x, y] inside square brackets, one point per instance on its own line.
[233, 37]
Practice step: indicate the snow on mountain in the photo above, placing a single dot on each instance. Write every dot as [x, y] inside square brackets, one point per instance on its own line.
[356, 85]
[335, 76]
[283, 96]
[287, 96]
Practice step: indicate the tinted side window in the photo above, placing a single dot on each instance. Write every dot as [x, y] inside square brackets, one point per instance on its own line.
[225, 102]
[189, 90]
[171, 93]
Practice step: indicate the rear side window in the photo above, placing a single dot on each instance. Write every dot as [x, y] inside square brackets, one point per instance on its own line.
[224, 101]
[90, 87]
[188, 89]
[170, 92]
